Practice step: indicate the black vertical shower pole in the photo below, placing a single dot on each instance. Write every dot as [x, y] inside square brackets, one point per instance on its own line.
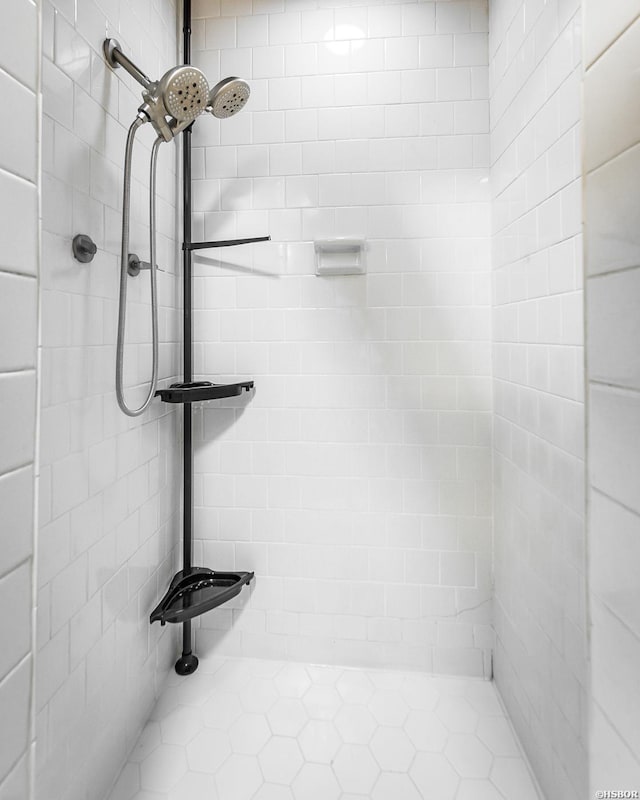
[188, 662]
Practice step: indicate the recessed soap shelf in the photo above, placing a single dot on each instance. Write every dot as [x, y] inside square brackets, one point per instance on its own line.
[340, 257]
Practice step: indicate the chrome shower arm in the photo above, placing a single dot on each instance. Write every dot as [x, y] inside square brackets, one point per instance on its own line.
[116, 58]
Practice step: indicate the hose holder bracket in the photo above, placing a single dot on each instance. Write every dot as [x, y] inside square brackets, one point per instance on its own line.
[134, 265]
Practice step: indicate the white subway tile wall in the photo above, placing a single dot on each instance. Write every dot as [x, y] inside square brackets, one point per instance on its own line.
[109, 485]
[539, 610]
[612, 45]
[356, 482]
[19, 76]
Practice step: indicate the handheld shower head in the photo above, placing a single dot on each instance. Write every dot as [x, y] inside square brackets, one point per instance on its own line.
[182, 94]
[228, 97]
[185, 92]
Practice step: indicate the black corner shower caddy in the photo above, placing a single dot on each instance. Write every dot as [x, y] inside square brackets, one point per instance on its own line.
[194, 590]
[202, 390]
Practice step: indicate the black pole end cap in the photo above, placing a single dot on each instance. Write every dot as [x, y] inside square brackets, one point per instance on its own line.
[186, 664]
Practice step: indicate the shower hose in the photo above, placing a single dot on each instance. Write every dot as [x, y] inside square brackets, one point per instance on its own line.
[124, 276]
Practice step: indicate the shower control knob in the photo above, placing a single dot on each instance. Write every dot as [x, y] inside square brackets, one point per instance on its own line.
[84, 248]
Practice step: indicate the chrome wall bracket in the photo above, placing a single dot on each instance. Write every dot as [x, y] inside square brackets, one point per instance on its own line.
[134, 265]
[84, 248]
[116, 58]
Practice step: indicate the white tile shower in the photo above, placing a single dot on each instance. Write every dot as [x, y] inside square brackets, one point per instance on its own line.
[356, 481]
[19, 72]
[540, 657]
[108, 500]
[254, 729]
[408, 480]
[613, 292]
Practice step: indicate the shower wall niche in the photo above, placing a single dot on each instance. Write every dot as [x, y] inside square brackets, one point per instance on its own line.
[357, 482]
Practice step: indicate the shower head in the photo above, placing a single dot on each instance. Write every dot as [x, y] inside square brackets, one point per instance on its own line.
[172, 103]
[185, 92]
[228, 97]
[181, 94]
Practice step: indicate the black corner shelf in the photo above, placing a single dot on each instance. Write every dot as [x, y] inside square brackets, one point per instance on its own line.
[224, 243]
[194, 591]
[202, 390]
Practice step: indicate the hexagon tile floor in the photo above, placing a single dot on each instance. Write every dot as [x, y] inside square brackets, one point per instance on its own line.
[249, 729]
